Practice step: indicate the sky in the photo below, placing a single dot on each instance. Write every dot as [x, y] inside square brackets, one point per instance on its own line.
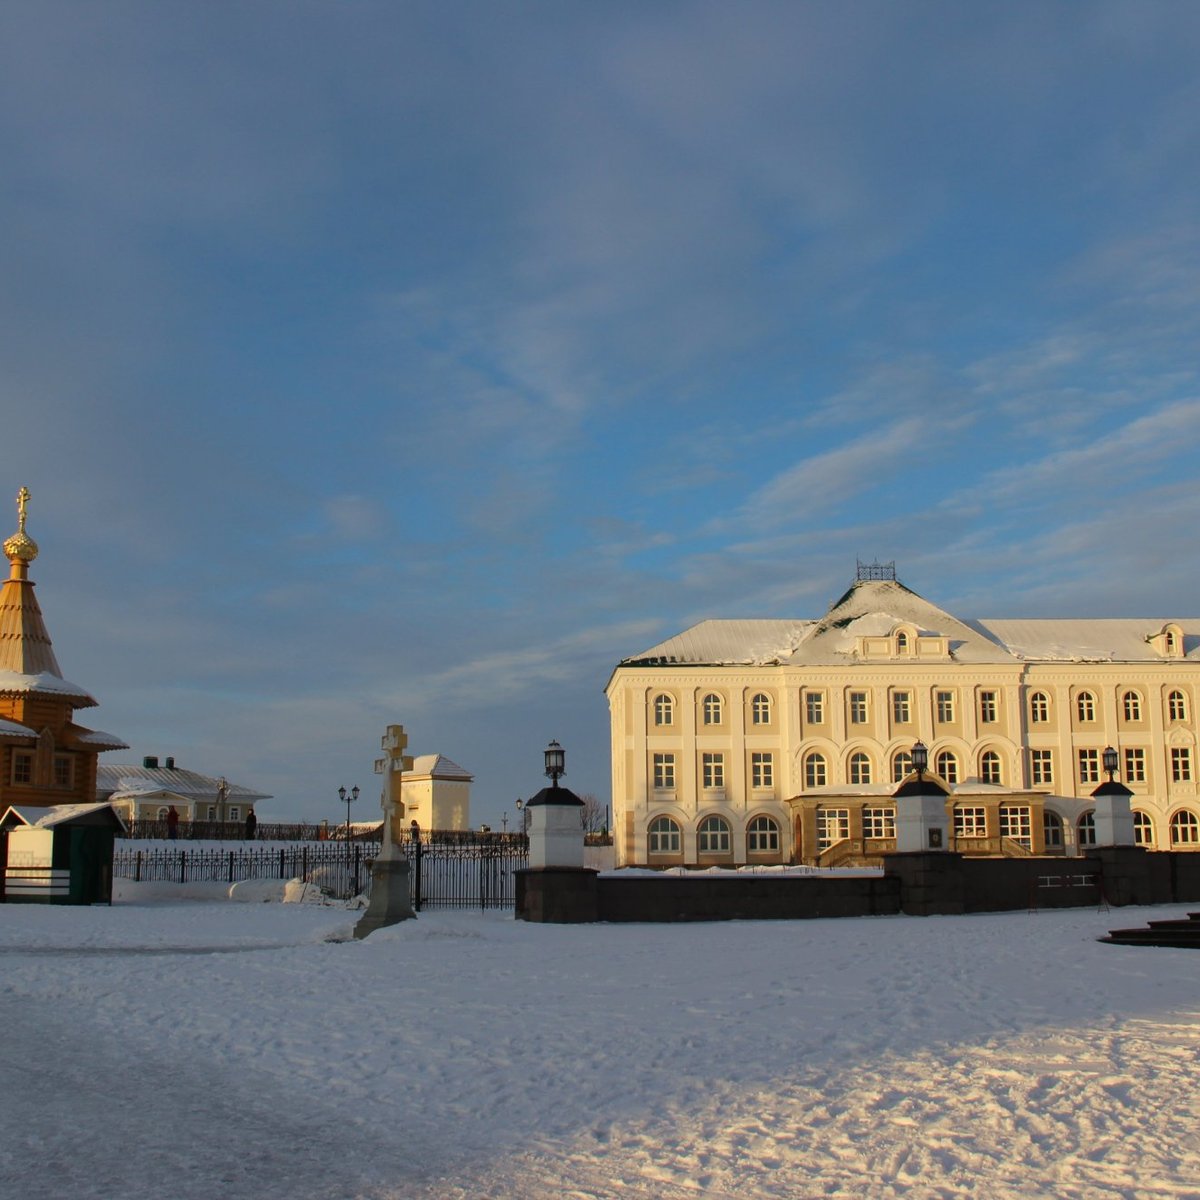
[377, 363]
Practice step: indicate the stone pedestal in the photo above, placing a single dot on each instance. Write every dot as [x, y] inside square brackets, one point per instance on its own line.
[931, 882]
[557, 895]
[1112, 815]
[391, 898]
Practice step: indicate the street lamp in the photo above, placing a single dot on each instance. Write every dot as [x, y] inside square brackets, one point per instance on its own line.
[920, 757]
[524, 815]
[348, 798]
[1110, 762]
[556, 763]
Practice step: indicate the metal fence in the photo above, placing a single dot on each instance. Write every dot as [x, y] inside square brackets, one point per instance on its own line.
[235, 831]
[446, 870]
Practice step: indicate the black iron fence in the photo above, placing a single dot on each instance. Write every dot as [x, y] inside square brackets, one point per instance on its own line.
[446, 870]
[235, 831]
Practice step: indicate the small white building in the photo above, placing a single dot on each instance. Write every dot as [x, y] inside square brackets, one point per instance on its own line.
[149, 792]
[436, 793]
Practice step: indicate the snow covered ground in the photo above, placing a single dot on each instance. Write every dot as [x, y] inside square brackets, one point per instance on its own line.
[206, 1049]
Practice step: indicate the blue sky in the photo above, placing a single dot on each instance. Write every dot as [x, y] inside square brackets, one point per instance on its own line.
[376, 362]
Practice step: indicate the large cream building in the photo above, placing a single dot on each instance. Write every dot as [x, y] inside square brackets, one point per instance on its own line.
[776, 741]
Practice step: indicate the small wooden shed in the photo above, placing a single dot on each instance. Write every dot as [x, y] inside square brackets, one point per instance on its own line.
[60, 855]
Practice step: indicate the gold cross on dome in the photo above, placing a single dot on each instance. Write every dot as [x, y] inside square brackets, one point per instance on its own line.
[22, 501]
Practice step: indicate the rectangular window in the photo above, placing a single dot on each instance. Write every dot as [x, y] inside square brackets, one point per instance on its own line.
[235, 813]
[1016, 822]
[945, 707]
[970, 822]
[879, 822]
[987, 708]
[858, 708]
[1181, 764]
[814, 707]
[1089, 766]
[63, 772]
[762, 770]
[22, 767]
[1135, 765]
[833, 825]
[901, 712]
[664, 771]
[1041, 766]
[212, 812]
[713, 770]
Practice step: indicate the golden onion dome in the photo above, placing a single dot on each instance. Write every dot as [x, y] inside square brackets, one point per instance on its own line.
[21, 547]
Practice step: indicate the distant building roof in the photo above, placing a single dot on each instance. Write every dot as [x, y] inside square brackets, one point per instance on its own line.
[438, 766]
[874, 607]
[112, 778]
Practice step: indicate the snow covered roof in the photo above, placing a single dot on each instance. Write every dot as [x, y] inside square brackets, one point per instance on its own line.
[47, 818]
[10, 729]
[97, 739]
[874, 608]
[44, 681]
[439, 767]
[114, 777]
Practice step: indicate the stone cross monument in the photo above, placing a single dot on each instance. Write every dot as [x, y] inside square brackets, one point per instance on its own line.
[391, 900]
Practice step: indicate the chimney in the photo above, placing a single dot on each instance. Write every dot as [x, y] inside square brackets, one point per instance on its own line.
[151, 760]
[170, 764]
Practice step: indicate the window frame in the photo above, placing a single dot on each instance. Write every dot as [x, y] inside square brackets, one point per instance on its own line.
[1181, 764]
[1184, 819]
[1088, 764]
[1039, 708]
[858, 769]
[22, 768]
[762, 770]
[1143, 828]
[989, 707]
[814, 702]
[1131, 706]
[944, 707]
[901, 765]
[902, 708]
[970, 821]
[1177, 708]
[662, 827]
[712, 770]
[879, 821]
[663, 764]
[1135, 764]
[990, 768]
[760, 709]
[713, 828]
[1041, 767]
[664, 710]
[711, 709]
[816, 764]
[940, 761]
[758, 828]
[832, 816]
[858, 707]
[1085, 707]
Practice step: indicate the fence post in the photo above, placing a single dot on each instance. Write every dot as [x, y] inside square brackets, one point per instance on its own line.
[182, 866]
[416, 843]
[304, 863]
[137, 870]
[230, 880]
[354, 881]
[281, 874]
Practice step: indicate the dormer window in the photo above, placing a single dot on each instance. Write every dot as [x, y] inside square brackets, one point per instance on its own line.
[902, 642]
[1168, 641]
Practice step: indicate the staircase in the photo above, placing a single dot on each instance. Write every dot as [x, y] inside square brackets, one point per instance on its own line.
[1184, 931]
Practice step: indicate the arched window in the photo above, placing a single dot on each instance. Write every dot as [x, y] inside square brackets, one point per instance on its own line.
[1052, 829]
[860, 768]
[714, 836]
[712, 709]
[989, 767]
[162, 813]
[762, 836]
[1143, 828]
[665, 837]
[1170, 642]
[902, 642]
[760, 709]
[664, 710]
[1085, 704]
[1087, 828]
[1177, 706]
[946, 765]
[1039, 708]
[901, 765]
[1185, 829]
[815, 773]
[1132, 704]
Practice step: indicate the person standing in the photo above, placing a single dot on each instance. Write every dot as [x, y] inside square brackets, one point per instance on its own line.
[251, 825]
[172, 824]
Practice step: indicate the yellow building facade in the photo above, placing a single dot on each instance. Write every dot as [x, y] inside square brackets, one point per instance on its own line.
[783, 741]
